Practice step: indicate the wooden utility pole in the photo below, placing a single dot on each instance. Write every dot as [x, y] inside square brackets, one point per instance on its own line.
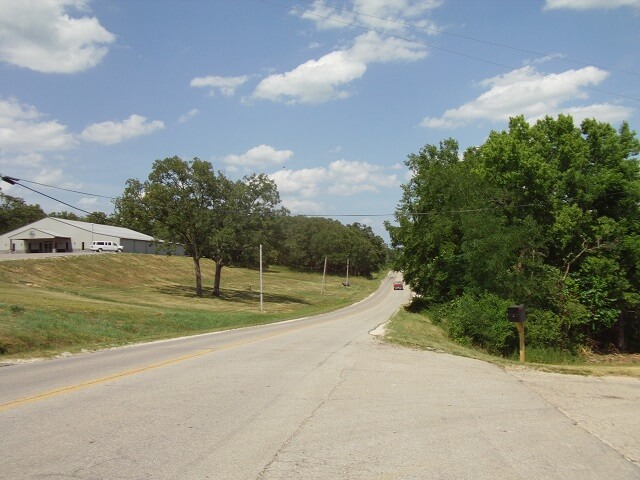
[347, 282]
[324, 273]
[261, 297]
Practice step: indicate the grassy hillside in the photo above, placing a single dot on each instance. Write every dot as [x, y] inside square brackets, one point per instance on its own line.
[71, 303]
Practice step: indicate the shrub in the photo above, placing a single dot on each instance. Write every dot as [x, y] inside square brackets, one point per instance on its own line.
[543, 329]
[481, 322]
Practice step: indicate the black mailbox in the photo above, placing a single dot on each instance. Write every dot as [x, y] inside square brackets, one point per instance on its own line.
[516, 313]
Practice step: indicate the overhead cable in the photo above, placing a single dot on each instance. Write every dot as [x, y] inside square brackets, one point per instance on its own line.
[66, 189]
[486, 42]
[446, 50]
[15, 181]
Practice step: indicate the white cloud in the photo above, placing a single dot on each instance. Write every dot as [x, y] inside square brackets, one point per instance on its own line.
[526, 92]
[109, 133]
[590, 4]
[325, 79]
[372, 48]
[51, 177]
[603, 112]
[189, 115]
[345, 189]
[259, 157]
[225, 85]
[315, 81]
[298, 206]
[351, 178]
[23, 130]
[389, 15]
[87, 202]
[341, 178]
[303, 183]
[42, 36]
[328, 77]
[25, 160]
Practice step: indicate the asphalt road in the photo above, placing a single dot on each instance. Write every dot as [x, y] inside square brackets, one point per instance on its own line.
[318, 398]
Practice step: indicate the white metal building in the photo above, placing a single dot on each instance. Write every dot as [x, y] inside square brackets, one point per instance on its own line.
[51, 235]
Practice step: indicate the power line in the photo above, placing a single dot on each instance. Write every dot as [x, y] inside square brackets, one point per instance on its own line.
[66, 189]
[446, 50]
[486, 42]
[419, 214]
[16, 181]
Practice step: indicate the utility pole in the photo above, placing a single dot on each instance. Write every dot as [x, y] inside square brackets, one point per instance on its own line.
[261, 297]
[324, 274]
[347, 282]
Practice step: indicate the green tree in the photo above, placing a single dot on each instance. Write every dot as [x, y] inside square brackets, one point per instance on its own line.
[246, 219]
[185, 201]
[188, 202]
[427, 238]
[15, 213]
[130, 210]
[306, 241]
[65, 215]
[100, 218]
[367, 251]
[545, 214]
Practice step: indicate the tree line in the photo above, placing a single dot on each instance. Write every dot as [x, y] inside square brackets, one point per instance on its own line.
[546, 215]
[214, 217]
[16, 213]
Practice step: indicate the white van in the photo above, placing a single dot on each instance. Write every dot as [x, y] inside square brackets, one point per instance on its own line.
[105, 246]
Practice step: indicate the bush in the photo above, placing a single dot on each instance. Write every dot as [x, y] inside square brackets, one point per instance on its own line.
[543, 329]
[481, 322]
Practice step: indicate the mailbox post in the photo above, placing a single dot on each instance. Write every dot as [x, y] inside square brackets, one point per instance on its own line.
[518, 315]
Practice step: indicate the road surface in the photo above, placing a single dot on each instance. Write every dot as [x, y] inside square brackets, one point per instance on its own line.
[317, 398]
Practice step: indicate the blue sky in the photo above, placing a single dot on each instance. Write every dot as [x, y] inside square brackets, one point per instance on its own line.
[327, 97]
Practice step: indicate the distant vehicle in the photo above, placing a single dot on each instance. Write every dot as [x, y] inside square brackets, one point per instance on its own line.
[398, 286]
[105, 246]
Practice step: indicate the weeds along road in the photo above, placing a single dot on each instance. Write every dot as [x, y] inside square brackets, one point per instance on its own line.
[318, 398]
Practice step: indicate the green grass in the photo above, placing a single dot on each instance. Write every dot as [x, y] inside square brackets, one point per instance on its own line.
[417, 331]
[60, 304]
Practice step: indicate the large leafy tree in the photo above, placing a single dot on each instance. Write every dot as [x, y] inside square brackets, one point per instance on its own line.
[546, 214]
[15, 213]
[246, 219]
[179, 203]
[428, 237]
[214, 217]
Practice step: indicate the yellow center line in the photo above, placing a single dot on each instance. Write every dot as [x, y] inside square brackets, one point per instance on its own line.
[127, 373]
[80, 386]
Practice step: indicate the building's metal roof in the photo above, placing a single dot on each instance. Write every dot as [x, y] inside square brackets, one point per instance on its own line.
[109, 230]
[26, 236]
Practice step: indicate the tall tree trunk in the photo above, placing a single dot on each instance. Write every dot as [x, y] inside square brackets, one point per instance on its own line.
[196, 265]
[216, 282]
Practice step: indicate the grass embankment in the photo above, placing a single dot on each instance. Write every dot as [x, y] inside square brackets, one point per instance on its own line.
[417, 331]
[49, 306]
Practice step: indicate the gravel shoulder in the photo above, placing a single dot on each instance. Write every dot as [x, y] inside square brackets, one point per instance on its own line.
[606, 407]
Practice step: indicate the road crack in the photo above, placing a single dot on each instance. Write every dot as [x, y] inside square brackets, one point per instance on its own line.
[304, 423]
